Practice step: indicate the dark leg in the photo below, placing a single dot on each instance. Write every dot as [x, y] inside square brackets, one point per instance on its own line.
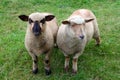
[35, 63]
[47, 64]
[97, 41]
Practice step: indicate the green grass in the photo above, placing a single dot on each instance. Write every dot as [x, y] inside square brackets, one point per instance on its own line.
[96, 63]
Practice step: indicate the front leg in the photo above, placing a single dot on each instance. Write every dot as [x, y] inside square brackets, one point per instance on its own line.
[47, 63]
[35, 62]
[74, 67]
[67, 59]
[35, 65]
[75, 60]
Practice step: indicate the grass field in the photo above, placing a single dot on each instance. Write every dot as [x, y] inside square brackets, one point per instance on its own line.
[97, 63]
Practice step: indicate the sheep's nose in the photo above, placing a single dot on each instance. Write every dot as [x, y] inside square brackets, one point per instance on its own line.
[36, 29]
[81, 37]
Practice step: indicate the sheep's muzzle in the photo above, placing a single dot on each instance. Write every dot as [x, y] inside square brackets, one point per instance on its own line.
[36, 28]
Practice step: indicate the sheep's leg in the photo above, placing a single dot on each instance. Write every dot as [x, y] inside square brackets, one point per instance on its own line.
[75, 60]
[97, 41]
[67, 59]
[97, 38]
[96, 35]
[74, 67]
[35, 63]
[47, 63]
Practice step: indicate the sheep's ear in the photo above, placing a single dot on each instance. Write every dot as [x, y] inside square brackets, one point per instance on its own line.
[23, 17]
[49, 17]
[88, 20]
[65, 22]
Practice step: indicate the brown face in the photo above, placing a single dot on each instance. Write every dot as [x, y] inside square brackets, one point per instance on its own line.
[37, 22]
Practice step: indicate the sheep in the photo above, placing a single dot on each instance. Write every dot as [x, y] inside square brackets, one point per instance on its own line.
[40, 37]
[74, 33]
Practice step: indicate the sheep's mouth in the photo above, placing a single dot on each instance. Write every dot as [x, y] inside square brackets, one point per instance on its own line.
[36, 29]
[36, 33]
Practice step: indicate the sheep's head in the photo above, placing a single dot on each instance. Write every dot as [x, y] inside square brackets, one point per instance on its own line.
[77, 25]
[37, 22]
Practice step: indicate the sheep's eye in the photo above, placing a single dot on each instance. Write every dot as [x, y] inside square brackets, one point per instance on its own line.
[42, 21]
[30, 21]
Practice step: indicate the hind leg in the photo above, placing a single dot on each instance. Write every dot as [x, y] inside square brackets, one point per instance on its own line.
[97, 41]
[96, 36]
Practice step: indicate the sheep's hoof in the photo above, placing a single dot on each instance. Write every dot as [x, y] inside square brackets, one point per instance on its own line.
[35, 71]
[74, 72]
[97, 45]
[66, 69]
[47, 72]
